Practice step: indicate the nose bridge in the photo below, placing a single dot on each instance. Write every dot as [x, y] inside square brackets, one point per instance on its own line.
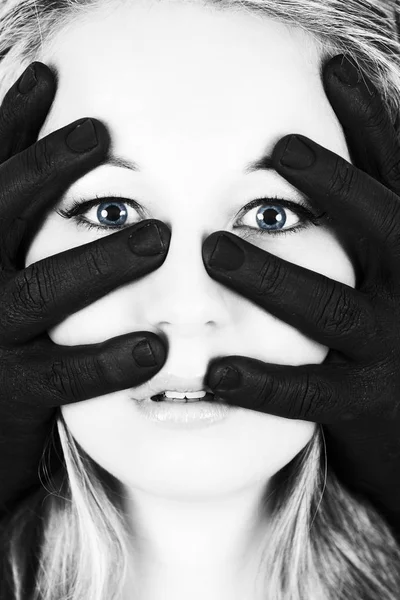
[183, 293]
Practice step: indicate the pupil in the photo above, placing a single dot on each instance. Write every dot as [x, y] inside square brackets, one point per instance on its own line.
[114, 212]
[271, 217]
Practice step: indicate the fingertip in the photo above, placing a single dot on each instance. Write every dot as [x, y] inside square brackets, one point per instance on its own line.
[45, 76]
[345, 84]
[87, 137]
[164, 232]
[222, 376]
[331, 66]
[103, 135]
[149, 238]
[42, 92]
[224, 251]
[209, 245]
[279, 150]
[149, 350]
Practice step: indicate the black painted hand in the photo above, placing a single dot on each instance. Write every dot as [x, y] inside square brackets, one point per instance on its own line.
[355, 392]
[37, 375]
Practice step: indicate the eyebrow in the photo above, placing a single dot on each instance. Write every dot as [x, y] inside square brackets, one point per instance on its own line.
[261, 164]
[119, 161]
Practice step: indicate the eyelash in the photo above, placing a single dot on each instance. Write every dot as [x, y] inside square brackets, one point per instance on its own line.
[299, 208]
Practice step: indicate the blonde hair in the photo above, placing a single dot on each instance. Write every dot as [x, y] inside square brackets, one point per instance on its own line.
[323, 543]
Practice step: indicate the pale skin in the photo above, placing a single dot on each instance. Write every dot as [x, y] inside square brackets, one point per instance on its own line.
[192, 96]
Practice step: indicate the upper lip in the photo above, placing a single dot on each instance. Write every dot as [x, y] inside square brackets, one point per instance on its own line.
[169, 382]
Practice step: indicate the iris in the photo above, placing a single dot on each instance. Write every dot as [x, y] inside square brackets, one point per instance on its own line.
[116, 213]
[271, 217]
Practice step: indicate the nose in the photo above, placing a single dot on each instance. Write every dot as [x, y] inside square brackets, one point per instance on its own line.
[183, 300]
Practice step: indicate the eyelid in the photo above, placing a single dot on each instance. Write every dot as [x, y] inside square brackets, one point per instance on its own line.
[79, 205]
[300, 205]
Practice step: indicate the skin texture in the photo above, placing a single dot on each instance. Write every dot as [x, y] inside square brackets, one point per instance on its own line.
[192, 133]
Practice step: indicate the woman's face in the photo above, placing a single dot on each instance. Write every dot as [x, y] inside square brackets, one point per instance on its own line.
[191, 95]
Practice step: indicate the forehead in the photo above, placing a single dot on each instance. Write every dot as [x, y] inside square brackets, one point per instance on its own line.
[203, 80]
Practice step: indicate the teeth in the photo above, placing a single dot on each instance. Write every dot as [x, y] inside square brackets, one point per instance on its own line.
[174, 394]
[182, 395]
[195, 394]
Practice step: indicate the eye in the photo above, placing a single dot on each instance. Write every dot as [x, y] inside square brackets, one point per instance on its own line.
[276, 216]
[110, 213]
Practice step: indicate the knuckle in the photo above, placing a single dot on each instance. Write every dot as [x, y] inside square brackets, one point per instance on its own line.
[339, 313]
[376, 115]
[273, 390]
[391, 219]
[262, 389]
[392, 169]
[269, 277]
[342, 180]
[104, 369]
[307, 398]
[5, 128]
[7, 114]
[97, 261]
[63, 381]
[31, 291]
[42, 159]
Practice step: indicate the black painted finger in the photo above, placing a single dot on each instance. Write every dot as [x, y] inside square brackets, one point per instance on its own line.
[24, 109]
[370, 134]
[355, 200]
[318, 393]
[68, 374]
[49, 290]
[33, 180]
[330, 312]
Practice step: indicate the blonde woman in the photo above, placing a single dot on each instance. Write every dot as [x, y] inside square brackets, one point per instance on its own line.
[157, 498]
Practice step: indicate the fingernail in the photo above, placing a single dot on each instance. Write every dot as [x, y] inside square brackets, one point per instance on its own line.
[28, 80]
[147, 240]
[348, 73]
[297, 154]
[227, 379]
[83, 138]
[227, 254]
[143, 354]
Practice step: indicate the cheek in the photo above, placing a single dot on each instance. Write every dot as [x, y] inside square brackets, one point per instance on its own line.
[317, 249]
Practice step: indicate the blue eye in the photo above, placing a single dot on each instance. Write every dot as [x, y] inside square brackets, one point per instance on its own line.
[271, 217]
[111, 213]
[275, 216]
[114, 212]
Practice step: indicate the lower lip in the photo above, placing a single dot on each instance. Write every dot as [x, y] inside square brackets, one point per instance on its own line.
[188, 414]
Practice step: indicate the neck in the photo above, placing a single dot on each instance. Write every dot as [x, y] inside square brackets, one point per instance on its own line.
[212, 544]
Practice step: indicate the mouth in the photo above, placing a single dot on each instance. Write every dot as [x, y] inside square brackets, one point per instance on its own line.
[182, 398]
